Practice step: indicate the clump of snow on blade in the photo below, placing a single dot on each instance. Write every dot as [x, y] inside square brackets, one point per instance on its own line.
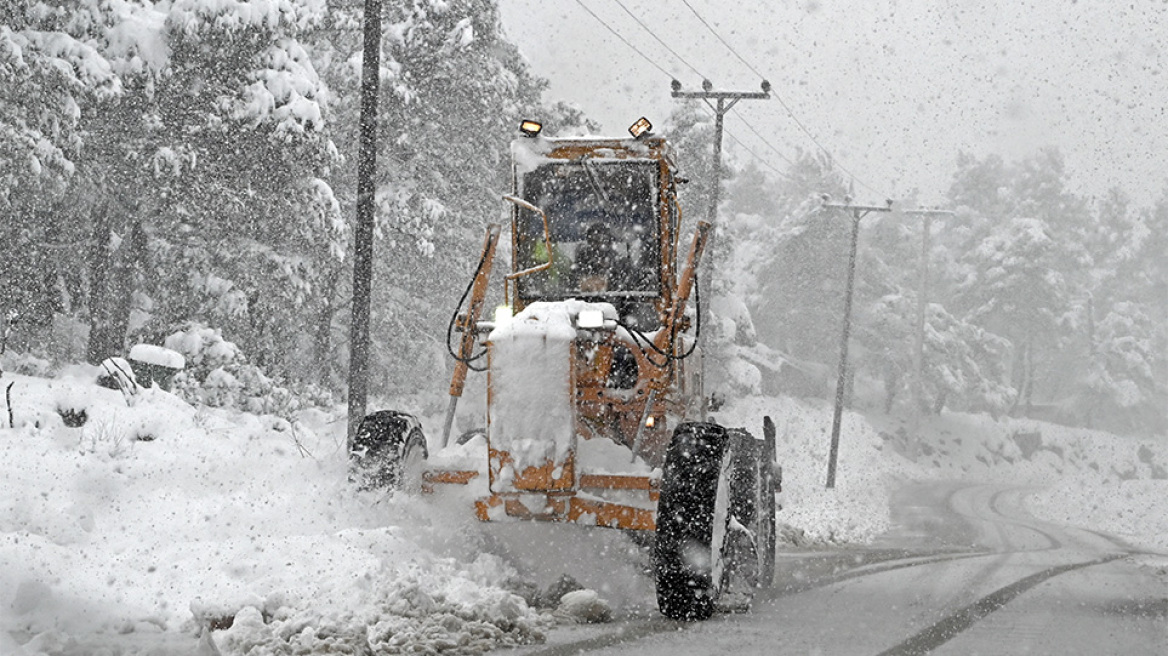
[469, 456]
[531, 412]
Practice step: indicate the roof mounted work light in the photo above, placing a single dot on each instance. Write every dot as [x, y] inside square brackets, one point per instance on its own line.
[530, 128]
[640, 128]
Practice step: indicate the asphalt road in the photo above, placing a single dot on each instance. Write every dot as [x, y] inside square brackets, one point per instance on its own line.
[965, 570]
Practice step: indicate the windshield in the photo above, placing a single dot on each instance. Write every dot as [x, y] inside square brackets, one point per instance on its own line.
[603, 226]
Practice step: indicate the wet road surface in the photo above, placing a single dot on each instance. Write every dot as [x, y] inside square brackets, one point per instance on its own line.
[965, 570]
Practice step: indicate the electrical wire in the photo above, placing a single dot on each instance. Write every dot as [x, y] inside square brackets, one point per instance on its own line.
[623, 40]
[779, 98]
[470, 359]
[756, 155]
[667, 73]
[762, 138]
[658, 39]
[719, 37]
[701, 75]
[645, 343]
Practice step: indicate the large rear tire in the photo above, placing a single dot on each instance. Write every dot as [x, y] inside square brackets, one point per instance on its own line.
[706, 557]
[682, 559]
[387, 451]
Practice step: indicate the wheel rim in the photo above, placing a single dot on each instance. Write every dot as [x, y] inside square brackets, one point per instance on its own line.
[721, 525]
[765, 529]
[411, 465]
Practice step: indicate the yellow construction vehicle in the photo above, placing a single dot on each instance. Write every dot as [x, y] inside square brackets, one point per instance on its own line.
[595, 411]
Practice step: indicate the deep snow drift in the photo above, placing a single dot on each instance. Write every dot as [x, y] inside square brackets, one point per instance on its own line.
[155, 521]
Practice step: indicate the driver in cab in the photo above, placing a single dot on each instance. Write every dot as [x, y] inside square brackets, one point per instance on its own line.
[598, 263]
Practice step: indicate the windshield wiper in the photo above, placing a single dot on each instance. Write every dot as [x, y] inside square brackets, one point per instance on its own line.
[597, 187]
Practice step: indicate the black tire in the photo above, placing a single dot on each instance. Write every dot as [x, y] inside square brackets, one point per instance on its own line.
[682, 562]
[706, 556]
[386, 451]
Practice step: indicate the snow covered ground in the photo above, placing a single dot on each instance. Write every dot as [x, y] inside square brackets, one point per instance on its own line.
[156, 521]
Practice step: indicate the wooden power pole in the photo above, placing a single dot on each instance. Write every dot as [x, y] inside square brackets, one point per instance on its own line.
[918, 382]
[858, 212]
[723, 101]
[363, 232]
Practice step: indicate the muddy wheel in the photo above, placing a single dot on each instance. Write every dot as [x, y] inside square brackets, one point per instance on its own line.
[387, 451]
[705, 557]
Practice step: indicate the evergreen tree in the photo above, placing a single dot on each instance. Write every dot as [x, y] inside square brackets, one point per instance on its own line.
[454, 92]
[50, 68]
[802, 275]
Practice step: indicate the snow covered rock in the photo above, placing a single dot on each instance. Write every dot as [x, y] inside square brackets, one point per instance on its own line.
[158, 356]
[155, 364]
[584, 606]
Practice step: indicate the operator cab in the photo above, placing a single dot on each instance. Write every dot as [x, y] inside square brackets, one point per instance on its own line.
[607, 224]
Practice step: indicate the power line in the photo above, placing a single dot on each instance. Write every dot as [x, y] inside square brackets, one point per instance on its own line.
[682, 60]
[779, 98]
[762, 160]
[762, 138]
[623, 40]
[719, 37]
[699, 74]
[658, 39]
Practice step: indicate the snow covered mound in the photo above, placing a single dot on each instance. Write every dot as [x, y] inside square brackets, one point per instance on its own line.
[584, 606]
[1081, 477]
[158, 520]
[856, 509]
[135, 525]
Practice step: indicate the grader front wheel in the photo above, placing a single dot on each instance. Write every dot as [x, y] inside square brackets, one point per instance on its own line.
[707, 554]
[387, 451]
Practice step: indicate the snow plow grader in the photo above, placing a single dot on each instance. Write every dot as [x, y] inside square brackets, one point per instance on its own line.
[595, 412]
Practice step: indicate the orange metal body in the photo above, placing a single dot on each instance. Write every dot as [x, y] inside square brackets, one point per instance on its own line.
[558, 489]
[478, 297]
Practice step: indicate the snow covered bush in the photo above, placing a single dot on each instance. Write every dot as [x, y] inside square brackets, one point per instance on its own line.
[26, 364]
[218, 374]
[73, 408]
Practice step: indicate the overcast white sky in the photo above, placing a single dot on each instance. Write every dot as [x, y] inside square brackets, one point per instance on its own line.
[892, 88]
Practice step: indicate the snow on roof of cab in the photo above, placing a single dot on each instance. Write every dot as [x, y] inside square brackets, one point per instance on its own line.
[529, 153]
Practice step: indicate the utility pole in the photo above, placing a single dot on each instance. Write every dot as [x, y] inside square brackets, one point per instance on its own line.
[858, 212]
[918, 382]
[723, 102]
[363, 232]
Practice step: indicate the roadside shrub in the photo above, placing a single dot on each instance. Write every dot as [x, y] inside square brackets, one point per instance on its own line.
[218, 374]
[26, 364]
[73, 418]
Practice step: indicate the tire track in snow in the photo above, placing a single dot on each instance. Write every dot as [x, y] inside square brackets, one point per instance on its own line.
[950, 626]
